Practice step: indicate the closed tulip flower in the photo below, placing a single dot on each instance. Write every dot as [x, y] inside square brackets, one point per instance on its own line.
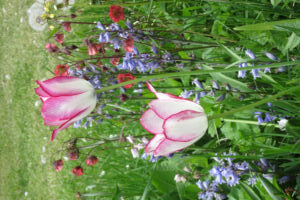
[176, 123]
[66, 99]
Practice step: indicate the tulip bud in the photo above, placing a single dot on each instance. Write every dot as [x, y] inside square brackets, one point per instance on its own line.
[59, 37]
[67, 26]
[74, 155]
[52, 48]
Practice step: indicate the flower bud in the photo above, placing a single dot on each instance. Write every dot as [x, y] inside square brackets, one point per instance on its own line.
[92, 160]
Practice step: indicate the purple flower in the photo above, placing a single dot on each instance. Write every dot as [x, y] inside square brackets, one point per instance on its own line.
[242, 73]
[252, 181]
[251, 55]
[128, 24]
[271, 56]
[258, 117]
[267, 70]
[144, 156]
[221, 97]
[215, 84]
[200, 184]
[255, 73]
[231, 178]
[197, 83]
[284, 179]
[244, 166]
[100, 26]
[186, 93]
[269, 117]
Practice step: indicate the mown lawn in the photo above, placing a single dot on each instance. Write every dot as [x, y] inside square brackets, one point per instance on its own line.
[23, 138]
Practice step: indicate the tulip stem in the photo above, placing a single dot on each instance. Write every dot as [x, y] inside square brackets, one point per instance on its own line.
[253, 105]
[197, 72]
[249, 122]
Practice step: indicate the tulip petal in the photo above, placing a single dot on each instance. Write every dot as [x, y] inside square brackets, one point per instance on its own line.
[167, 107]
[154, 142]
[55, 123]
[167, 147]
[185, 126]
[83, 113]
[151, 122]
[43, 95]
[56, 109]
[65, 86]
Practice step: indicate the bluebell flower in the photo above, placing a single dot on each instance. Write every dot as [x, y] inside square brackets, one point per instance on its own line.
[258, 117]
[197, 97]
[115, 27]
[102, 39]
[282, 69]
[135, 51]
[227, 87]
[200, 184]
[241, 73]
[186, 93]
[100, 26]
[251, 55]
[269, 117]
[116, 42]
[272, 56]
[269, 104]
[252, 181]
[212, 92]
[99, 121]
[284, 179]
[107, 36]
[221, 97]
[267, 70]
[86, 124]
[255, 73]
[128, 24]
[154, 49]
[215, 84]
[242, 166]
[197, 83]
[231, 177]
[77, 124]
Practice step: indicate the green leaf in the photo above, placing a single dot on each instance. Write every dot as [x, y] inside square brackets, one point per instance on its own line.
[271, 189]
[180, 189]
[117, 194]
[275, 2]
[269, 25]
[147, 188]
[250, 191]
[292, 42]
[231, 53]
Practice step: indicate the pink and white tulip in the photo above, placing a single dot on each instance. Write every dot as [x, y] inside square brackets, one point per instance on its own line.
[176, 123]
[66, 99]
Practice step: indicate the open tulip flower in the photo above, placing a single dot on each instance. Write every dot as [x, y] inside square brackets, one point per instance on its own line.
[176, 123]
[66, 99]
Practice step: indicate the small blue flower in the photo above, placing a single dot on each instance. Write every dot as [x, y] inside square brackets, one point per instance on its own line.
[200, 184]
[107, 36]
[271, 56]
[267, 70]
[197, 83]
[255, 73]
[135, 51]
[284, 179]
[215, 84]
[115, 27]
[231, 178]
[269, 117]
[100, 26]
[102, 39]
[186, 93]
[116, 42]
[251, 55]
[252, 181]
[128, 24]
[258, 117]
[221, 97]
[144, 156]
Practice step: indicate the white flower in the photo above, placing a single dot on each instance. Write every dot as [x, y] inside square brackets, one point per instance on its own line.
[35, 20]
[282, 123]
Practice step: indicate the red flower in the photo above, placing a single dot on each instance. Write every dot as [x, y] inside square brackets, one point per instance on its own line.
[67, 26]
[93, 48]
[92, 160]
[59, 37]
[52, 48]
[58, 164]
[73, 155]
[61, 70]
[114, 61]
[116, 13]
[78, 171]
[128, 44]
[125, 77]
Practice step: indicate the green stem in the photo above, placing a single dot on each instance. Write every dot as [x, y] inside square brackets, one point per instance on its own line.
[197, 72]
[249, 122]
[258, 103]
[119, 107]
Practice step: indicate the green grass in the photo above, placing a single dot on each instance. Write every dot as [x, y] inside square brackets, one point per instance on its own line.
[22, 132]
